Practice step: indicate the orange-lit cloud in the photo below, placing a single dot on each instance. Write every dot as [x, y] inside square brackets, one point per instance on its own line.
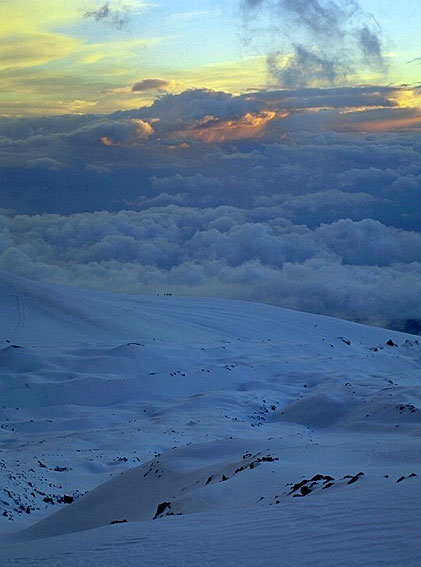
[181, 146]
[108, 141]
[405, 113]
[385, 125]
[408, 98]
[212, 130]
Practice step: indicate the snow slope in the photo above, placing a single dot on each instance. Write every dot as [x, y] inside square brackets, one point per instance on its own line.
[204, 431]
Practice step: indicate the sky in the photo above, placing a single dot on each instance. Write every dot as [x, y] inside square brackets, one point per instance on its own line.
[266, 150]
[85, 56]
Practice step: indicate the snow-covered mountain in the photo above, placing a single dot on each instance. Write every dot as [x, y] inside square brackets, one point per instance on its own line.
[204, 432]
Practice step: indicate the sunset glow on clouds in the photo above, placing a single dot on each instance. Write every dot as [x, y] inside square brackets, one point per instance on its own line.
[209, 148]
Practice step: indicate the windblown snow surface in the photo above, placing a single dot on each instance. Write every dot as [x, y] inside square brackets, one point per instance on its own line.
[171, 431]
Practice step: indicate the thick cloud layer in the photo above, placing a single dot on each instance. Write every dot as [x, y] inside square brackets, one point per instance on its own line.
[355, 269]
[296, 197]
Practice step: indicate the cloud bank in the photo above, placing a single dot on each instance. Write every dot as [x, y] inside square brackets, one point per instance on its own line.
[305, 198]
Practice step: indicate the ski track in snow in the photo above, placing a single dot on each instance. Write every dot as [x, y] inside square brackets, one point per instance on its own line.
[183, 403]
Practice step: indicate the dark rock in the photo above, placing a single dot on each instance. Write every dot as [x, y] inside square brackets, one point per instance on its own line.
[299, 485]
[161, 508]
[391, 343]
[118, 522]
[65, 499]
[355, 478]
[317, 477]
[328, 478]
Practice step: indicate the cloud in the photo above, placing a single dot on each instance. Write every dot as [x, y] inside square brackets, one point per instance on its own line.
[290, 197]
[150, 84]
[315, 42]
[45, 163]
[360, 270]
[99, 14]
[332, 97]
[370, 243]
[304, 68]
[212, 130]
[378, 120]
[319, 17]
[115, 17]
[22, 50]
[196, 104]
[116, 133]
[371, 47]
[250, 4]
[25, 16]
